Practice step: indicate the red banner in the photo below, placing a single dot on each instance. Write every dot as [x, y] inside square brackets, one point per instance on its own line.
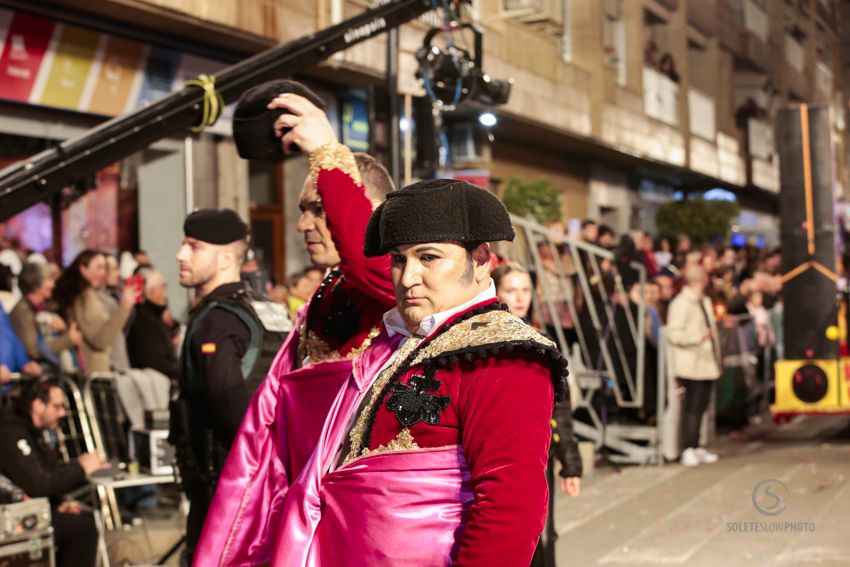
[26, 45]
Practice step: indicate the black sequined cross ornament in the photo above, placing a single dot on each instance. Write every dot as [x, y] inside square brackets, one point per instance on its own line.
[412, 404]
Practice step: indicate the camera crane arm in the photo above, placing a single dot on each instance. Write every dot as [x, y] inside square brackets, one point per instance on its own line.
[25, 184]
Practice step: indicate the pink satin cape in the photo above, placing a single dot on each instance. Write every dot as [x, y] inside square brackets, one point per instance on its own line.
[277, 436]
[392, 508]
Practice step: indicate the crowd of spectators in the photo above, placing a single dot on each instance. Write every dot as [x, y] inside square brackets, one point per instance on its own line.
[88, 317]
[104, 315]
[709, 297]
[85, 317]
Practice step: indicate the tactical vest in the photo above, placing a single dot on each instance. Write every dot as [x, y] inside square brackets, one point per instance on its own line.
[268, 323]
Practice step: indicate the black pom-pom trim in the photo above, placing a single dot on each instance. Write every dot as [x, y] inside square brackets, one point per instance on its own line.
[558, 365]
[403, 367]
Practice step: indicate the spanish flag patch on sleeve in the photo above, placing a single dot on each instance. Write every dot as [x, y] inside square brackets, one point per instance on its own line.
[208, 348]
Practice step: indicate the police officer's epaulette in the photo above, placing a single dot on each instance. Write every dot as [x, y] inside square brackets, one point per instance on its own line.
[488, 332]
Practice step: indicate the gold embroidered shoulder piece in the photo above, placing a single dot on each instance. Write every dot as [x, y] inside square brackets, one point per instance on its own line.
[496, 328]
[314, 347]
[489, 329]
[356, 433]
[334, 156]
[402, 442]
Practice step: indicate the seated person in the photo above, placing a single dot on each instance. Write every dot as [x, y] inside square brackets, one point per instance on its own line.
[30, 463]
[37, 288]
[13, 356]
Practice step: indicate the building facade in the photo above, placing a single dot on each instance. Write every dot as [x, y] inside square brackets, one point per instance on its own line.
[621, 104]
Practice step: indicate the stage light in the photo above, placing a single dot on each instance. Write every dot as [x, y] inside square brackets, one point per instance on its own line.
[492, 91]
[488, 119]
[451, 74]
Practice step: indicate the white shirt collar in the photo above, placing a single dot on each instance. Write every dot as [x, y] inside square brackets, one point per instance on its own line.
[395, 324]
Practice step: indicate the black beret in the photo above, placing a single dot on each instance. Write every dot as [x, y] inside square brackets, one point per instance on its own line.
[437, 211]
[253, 123]
[216, 226]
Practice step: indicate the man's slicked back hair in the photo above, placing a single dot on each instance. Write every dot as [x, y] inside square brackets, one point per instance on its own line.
[376, 178]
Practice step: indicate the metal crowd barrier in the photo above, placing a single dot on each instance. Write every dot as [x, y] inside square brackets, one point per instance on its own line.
[584, 279]
[109, 427]
[74, 435]
[95, 422]
[742, 353]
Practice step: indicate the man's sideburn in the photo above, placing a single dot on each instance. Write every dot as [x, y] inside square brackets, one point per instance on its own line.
[468, 275]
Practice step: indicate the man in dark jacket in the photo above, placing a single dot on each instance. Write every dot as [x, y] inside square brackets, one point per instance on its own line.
[149, 341]
[564, 448]
[31, 464]
[232, 336]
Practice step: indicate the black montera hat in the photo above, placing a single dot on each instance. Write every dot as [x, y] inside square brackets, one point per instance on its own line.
[253, 123]
[216, 226]
[437, 211]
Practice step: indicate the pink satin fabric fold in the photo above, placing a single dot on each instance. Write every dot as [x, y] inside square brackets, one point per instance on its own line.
[364, 513]
[276, 438]
[394, 509]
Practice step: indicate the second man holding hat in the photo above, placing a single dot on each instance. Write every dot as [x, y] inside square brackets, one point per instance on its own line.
[283, 421]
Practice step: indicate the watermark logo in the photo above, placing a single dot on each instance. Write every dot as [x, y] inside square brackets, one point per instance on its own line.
[770, 497]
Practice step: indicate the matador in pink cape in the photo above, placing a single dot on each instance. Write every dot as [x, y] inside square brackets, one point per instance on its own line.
[434, 452]
[283, 421]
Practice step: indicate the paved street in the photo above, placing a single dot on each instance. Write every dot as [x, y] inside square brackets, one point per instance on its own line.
[675, 516]
[706, 516]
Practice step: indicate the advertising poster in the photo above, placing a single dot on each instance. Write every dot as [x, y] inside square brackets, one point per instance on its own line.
[27, 40]
[355, 123]
[118, 76]
[160, 72]
[72, 61]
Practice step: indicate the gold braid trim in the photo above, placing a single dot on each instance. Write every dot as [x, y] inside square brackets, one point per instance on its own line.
[334, 156]
[355, 436]
[314, 347]
[402, 442]
[491, 328]
[311, 345]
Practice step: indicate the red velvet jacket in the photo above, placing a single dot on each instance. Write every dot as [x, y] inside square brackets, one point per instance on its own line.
[496, 402]
[346, 311]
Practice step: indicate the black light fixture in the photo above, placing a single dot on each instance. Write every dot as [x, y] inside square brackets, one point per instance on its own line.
[452, 74]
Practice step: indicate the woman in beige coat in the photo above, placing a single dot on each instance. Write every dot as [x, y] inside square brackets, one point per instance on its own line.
[101, 324]
[694, 359]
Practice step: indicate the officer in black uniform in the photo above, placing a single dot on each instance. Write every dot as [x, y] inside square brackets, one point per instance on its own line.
[231, 340]
[32, 465]
[564, 448]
